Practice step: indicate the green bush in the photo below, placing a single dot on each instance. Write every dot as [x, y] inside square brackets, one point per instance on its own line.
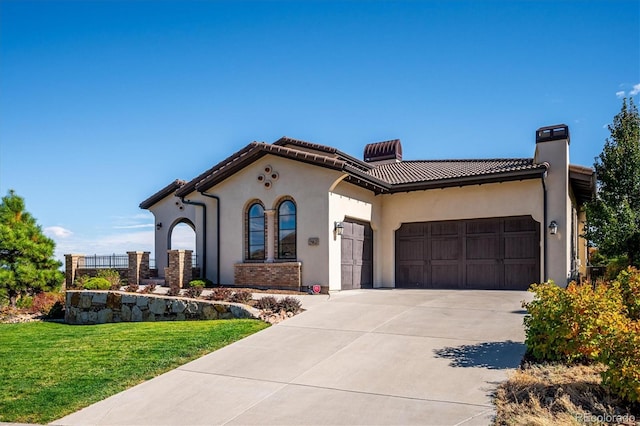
[615, 266]
[112, 276]
[97, 283]
[197, 283]
[25, 302]
[81, 281]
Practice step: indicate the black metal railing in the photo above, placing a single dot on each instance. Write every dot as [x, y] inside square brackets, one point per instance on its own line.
[105, 261]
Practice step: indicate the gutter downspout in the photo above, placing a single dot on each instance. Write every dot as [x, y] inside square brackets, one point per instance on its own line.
[203, 269]
[544, 226]
[215, 197]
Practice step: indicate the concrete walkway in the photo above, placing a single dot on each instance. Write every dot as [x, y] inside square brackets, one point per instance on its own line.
[357, 357]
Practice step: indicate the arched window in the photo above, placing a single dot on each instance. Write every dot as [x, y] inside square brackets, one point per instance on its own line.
[287, 230]
[255, 234]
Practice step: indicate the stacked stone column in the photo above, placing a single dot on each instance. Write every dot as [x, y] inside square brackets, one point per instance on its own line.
[179, 272]
[71, 264]
[138, 266]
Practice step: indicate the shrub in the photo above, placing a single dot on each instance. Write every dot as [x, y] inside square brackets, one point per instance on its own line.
[571, 324]
[80, 282]
[205, 282]
[267, 303]
[615, 266]
[194, 292]
[25, 302]
[97, 283]
[220, 293]
[242, 296]
[622, 355]
[45, 301]
[629, 282]
[290, 304]
[112, 276]
[198, 283]
[149, 288]
[173, 291]
[131, 288]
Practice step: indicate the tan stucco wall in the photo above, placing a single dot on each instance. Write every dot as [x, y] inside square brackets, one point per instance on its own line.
[468, 202]
[556, 153]
[308, 185]
[348, 201]
[167, 212]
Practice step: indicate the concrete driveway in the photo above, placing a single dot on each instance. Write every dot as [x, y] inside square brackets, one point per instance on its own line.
[357, 357]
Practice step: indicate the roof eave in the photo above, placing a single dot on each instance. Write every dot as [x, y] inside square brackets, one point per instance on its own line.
[164, 192]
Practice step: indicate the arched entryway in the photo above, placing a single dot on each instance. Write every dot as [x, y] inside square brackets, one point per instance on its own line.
[182, 236]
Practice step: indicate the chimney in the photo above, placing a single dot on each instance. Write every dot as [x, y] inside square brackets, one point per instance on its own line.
[383, 152]
[552, 147]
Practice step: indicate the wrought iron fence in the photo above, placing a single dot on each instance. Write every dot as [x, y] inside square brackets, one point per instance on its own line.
[104, 261]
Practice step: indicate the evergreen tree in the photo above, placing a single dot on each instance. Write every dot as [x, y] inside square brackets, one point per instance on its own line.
[27, 265]
[613, 218]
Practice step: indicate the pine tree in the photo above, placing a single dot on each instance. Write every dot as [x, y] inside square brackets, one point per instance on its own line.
[27, 265]
[613, 218]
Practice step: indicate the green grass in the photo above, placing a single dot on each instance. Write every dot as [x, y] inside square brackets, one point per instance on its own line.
[49, 370]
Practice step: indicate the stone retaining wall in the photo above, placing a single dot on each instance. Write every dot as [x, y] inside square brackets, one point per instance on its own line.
[99, 307]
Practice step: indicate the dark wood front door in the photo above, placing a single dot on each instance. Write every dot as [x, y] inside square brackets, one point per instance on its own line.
[495, 253]
[357, 255]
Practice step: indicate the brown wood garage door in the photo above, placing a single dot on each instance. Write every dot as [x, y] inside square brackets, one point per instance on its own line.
[357, 255]
[495, 253]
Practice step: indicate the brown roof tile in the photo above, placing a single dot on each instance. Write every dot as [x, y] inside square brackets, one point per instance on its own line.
[406, 172]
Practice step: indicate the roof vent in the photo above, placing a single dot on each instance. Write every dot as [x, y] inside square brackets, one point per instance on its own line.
[387, 151]
[552, 133]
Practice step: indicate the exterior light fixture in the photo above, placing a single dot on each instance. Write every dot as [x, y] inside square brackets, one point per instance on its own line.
[159, 225]
[338, 228]
[553, 227]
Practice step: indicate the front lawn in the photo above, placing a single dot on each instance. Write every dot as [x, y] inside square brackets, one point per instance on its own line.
[48, 370]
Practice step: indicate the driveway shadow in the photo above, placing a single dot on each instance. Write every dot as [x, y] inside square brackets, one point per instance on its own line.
[491, 355]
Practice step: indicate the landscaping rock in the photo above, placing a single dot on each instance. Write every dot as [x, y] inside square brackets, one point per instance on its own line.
[105, 315]
[142, 301]
[126, 313]
[157, 306]
[129, 299]
[99, 299]
[85, 301]
[178, 306]
[136, 314]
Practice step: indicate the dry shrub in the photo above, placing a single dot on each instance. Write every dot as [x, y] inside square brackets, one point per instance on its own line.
[559, 395]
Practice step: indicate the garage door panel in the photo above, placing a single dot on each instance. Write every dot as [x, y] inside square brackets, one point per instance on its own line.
[482, 226]
[483, 247]
[492, 253]
[445, 228]
[445, 276]
[514, 275]
[519, 224]
[445, 249]
[520, 247]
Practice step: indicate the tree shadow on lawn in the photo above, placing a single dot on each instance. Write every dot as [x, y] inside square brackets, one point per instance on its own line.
[491, 355]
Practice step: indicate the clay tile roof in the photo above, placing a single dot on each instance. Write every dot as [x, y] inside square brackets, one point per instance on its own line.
[407, 172]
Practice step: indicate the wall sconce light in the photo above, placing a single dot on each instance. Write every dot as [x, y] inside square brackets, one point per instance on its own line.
[159, 225]
[553, 227]
[338, 228]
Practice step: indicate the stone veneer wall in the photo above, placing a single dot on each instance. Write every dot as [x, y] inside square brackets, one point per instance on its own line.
[99, 307]
[280, 275]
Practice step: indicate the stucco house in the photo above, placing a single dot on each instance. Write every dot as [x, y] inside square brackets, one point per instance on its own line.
[295, 214]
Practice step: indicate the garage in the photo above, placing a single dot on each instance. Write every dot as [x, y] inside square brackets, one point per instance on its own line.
[356, 255]
[495, 253]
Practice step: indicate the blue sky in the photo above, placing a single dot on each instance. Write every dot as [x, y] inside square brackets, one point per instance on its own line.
[104, 103]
